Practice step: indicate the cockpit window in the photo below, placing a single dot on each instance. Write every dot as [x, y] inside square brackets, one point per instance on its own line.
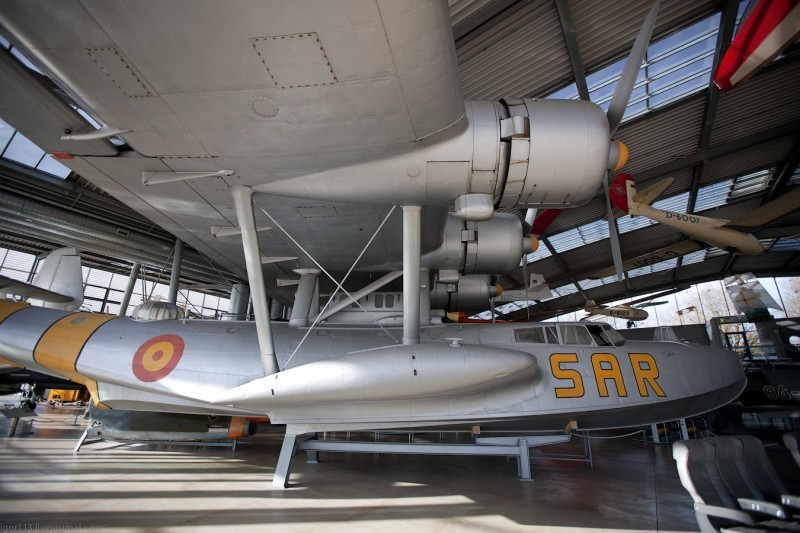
[599, 335]
[605, 335]
[529, 335]
[575, 334]
[552, 334]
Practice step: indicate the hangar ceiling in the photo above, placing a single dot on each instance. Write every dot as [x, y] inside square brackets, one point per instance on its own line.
[728, 152]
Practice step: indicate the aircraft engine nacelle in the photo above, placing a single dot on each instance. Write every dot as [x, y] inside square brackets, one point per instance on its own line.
[470, 294]
[559, 153]
[514, 153]
[491, 246]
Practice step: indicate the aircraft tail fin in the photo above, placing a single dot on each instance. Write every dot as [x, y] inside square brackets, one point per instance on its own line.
[617, 193]
[625, 197]
[61, 274]
[590, 306]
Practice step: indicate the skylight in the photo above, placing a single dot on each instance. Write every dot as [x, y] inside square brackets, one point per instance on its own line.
[675, 67]
[580, 236]
[650, 269]
[786, 244]
[586, 284]
[795, 179]
[566, 290]
[722, 192]
[694, 257]
[16, 147]
[542, 252]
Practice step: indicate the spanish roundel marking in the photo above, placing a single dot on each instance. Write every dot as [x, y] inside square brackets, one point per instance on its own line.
[156, 358]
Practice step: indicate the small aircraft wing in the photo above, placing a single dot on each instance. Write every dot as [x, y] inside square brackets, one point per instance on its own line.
[26, 290]
[763, 215]
[651, 258]
[771, 27]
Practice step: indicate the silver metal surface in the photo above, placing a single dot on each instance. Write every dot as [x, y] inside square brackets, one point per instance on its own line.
[243, 202]
[301, 310]
[412, 227]
[357, 295]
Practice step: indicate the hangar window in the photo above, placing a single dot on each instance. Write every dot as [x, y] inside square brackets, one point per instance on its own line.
[675, 67]
[722, 192]
[587, 284]
[565, 290]
[786, 244]
[580, 236]
[649, 269]
[542, 252]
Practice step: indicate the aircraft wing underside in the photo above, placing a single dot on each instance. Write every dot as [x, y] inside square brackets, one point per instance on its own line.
[267, 90]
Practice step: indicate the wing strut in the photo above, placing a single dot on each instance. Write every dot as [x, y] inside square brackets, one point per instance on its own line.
[243, 203]
[412, 228]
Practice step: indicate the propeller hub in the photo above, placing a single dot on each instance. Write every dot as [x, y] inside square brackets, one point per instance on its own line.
[618, 155]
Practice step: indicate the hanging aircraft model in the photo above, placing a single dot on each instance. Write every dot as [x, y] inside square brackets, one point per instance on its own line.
[622, 311]
[309, 123]
[729, 235]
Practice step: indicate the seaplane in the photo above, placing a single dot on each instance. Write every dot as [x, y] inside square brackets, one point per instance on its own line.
[330, 148]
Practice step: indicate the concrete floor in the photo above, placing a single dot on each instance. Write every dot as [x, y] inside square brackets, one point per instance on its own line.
[633, 486]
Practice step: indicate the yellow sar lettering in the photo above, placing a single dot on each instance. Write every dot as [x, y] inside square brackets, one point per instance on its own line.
[607, 371]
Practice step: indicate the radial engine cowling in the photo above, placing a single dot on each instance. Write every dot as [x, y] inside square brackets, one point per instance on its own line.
[471, 294]
[493, 246]
[562, 157]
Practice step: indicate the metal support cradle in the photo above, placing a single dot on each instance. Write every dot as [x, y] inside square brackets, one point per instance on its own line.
[504, 446]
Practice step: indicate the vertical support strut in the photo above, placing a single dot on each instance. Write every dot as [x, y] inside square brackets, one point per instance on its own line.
[175, 276]
[126, 298]
[243, 203]
[303, 298]
[284, 467]
[412, 227]
[240, 297]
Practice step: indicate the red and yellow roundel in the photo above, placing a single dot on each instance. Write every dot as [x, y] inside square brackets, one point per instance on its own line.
[157, 357]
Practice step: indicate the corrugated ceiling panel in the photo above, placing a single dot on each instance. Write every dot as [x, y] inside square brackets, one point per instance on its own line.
[461, 9]
[584, 257]
[578, 216]
[663, 136]
[732, 212]
[746, 160]
[767, 100]
[605, 29]
[641, 241]
[768, 262]
[521, 55]
[682, 183]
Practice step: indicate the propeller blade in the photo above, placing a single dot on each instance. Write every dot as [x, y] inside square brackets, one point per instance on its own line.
[616, 253]
[622, 94]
